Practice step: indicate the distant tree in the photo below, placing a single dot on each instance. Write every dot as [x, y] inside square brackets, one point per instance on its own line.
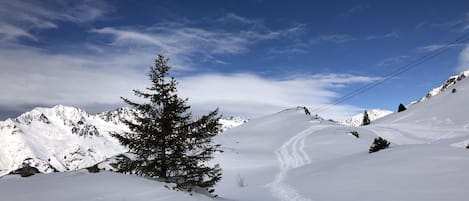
[165, 142]
[401, 108]
[355, 133]
[378, 144]
[366, 119]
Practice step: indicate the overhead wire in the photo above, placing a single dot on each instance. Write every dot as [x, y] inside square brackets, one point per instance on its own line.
[398, 71]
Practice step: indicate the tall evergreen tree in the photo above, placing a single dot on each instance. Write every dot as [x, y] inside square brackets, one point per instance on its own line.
[366, 119]
[164, 141]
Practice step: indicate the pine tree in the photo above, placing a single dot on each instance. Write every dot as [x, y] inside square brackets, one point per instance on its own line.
[164, 141]
[366, 119]
[401, 108]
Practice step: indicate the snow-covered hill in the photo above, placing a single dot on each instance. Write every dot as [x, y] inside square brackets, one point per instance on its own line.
[292, 156]
[373, 114]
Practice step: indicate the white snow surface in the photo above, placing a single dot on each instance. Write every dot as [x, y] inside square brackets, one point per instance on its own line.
[373, 114]
[291, 156]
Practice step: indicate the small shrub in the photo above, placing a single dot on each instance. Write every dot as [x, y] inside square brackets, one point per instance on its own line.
[467, 147]
[26, 171]
[307, 111]
[401, 108]
[355, 133]
[453, 91]
[93, 169]
[378, 144]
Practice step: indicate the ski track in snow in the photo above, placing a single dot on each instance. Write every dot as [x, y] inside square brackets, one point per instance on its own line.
[291, 155]
[466, 127]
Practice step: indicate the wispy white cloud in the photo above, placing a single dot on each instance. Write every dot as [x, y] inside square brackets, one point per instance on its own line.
[20, 18]
[332, 38]
[354, 10]
[230, 18]
[463, 63]
[433, 47]
[392, 34]
[188, 43]
[248, 94]
[35, 77]
[459, 24]
[392, 61]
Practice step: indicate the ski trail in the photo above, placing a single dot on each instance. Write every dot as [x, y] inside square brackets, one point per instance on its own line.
[291, 155]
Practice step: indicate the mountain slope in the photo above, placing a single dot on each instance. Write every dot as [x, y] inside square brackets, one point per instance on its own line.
[57, 139]
[447, 84]
[442, 117]
[373, 114]
[65, 138]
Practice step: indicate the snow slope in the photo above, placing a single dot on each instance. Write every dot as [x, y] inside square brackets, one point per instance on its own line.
[318, 160]
[373, 114]
[441, 119]
[82, 186]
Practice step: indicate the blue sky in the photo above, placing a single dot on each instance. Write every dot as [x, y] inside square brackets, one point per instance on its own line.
[249, 58]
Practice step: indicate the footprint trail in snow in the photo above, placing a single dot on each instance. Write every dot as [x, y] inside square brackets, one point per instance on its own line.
[291, 155]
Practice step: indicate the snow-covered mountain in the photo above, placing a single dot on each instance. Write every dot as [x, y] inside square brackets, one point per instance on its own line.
[447, 84]
[57, 139]
[373, 114]
[65, 138]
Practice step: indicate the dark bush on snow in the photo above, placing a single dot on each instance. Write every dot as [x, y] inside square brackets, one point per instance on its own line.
[26, 171]
[378, 144]
[93, 169]
[355, 133]
[401, 108]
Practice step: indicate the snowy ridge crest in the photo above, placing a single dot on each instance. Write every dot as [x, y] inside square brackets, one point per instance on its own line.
[373, 114]
[448, 83]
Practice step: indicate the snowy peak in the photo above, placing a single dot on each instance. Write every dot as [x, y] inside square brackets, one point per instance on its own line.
[373, 114]
[118, 116]
[60, 138]
[448, 83]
